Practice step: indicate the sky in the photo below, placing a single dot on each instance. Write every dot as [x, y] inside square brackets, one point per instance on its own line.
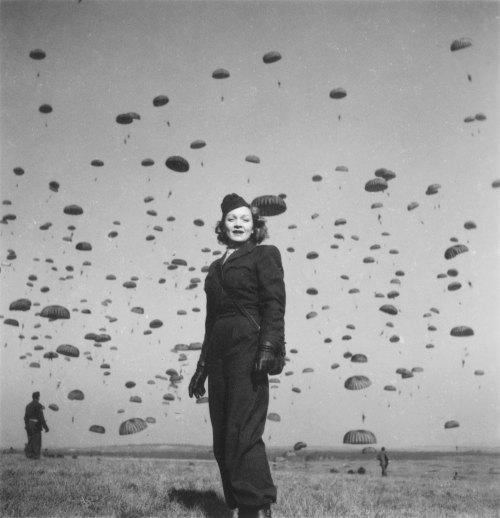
[408, 96]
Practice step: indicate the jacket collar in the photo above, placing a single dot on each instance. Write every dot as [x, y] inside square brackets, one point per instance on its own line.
[244, 249]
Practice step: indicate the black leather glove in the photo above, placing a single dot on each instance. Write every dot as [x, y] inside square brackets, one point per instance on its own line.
[265, 358]
[46, 429]
[197, 383]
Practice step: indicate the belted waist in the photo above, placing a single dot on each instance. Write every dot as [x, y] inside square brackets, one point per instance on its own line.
[34, 420]
[232, 312]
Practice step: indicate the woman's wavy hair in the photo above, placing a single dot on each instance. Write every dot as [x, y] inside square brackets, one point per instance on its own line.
[259, 229]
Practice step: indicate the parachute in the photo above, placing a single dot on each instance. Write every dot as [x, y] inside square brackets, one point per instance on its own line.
[386, 174]
[478, 372]
[54, 407]
[376, 185]
[35, 365]
[18, 171]
[147, 162]
[460, 43]
[76, 395]
[342, 168]
[296, 389]
[254, 159]
[160, 100]
[155, 324]
[55, 312]
[133, 425]
[412, 205]
[220, 73]
[299, 445]
[359, 358]
[168, 397]
[312, 255]
[73, 210]
[50, 355]
[68, 350]
[177, 164]
[20, 305]
[462, 331]
[45, 108]
[369, 449]
[198, 144]
[480, 117]
[54, 186]
[135, 399]
[433, 189]
[357, 382]
[83, 246]
[390, 388]
[451, 424]
[334, 366]
[96, 163]
[453, 286]
[317, 178]
[124, 118]
[272, 416]
[359, 437]
[455, 250]
[338, 93]
[307, 370]
[269, 205]
[96, 428]
[130, 384]
[311, 314]
[389, 309]
[469, 225]
[37, 54]
[271, 57]
[312, 291]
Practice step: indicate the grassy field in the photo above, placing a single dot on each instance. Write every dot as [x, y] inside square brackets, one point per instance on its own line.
[309, 485]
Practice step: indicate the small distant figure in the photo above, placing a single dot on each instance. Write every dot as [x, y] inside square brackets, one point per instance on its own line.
[383, 460]
[455, 476]
[34, 422]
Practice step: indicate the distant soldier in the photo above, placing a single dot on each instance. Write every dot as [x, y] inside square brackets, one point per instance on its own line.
[383, 460]
[34, 422]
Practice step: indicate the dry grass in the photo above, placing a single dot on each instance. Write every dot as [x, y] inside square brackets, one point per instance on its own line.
[134, 487]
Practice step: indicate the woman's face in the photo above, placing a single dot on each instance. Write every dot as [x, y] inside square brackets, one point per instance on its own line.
[238, 225]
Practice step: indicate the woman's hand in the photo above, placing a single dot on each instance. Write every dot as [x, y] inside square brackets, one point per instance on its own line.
[265, 359]
[197, 383]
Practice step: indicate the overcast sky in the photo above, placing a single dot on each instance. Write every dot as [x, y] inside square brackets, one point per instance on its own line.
[407, 97]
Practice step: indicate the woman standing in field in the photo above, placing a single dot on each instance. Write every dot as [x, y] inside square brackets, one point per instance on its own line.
[244, 342]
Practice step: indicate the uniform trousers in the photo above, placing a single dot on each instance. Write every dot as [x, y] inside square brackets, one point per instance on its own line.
[34, 446]
[238, 403]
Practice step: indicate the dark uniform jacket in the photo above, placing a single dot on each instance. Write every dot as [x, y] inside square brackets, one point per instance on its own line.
[34, 413]
[253, 274]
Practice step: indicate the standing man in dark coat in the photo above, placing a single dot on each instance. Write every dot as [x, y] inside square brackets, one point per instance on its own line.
[34, 422]
[383, 460]
[244, 339]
